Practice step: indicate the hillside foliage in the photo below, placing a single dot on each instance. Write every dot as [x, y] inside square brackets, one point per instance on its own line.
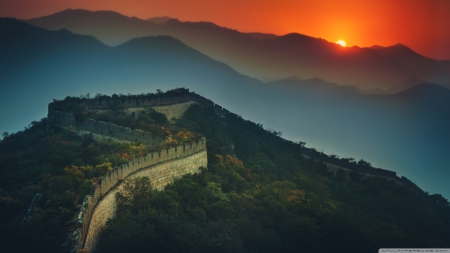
[258, 194]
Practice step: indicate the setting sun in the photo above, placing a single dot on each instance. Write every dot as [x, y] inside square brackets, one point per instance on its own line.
[341, 42]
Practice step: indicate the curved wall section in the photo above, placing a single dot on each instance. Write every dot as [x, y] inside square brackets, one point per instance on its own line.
[160, 175]
[162, 167]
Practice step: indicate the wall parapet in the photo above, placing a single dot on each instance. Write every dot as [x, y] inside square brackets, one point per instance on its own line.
[115, 177]
[156, 99]
[365, 170]
[189, 158]
[105, 102]
[118, 174]
[149, 100]
[102, 128]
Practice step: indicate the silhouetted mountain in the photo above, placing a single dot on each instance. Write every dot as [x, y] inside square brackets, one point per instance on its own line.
[47, 64]
[428, 91]
[425, 69]
[405, 132]
[263, 36]
[110, 27]
[267, 57]
[159, 20]
[302, 85]
[22, 43]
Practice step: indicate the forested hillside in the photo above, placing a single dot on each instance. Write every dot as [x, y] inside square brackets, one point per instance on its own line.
[258, 194]
[62, 166]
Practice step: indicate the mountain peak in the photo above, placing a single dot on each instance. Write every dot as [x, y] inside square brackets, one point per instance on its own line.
[82, 13]
[400, 45]
[296, 36]
[430, 86]
[263, 36]
[160, 20]
[154, 42]
[200, 24]
[427, 90]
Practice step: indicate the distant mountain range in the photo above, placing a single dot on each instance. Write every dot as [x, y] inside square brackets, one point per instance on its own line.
[406, 132]
[38, 65]
[266, 56]
[159, 20]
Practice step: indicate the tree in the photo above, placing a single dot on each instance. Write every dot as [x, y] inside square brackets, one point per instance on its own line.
[364, 163]
[159, 118]
[117, 109]
[301, 143]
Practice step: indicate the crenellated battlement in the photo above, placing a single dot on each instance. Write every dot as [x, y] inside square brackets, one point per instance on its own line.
[102, 128]
[105, 102]
[162, 167]
[162, 99]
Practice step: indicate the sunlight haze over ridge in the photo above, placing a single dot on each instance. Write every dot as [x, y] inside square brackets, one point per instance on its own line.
[421, 25]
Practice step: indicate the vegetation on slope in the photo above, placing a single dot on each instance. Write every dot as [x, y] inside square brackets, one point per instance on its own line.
[265, 197]
[62, 166]
[257, 195]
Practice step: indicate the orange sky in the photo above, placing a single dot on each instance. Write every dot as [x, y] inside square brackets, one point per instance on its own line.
[423, 25]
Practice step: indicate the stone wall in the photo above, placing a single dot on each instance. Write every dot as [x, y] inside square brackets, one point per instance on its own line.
[334, 168]
[155, 100]
[102, 128]
[134, 101]
[120, 132]
[365, 171]
[162, 167]
[175, 111]
[105, 102]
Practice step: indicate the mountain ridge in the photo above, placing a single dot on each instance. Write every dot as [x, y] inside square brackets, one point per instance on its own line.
[385, 129]
[273, 59]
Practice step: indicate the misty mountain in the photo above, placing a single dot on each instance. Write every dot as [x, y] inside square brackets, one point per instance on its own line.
[265, 56]
[41, 65]
[109, 27]
[416, 63]
[159, 20]
[405, 132]
[21, 44]
[263, 36]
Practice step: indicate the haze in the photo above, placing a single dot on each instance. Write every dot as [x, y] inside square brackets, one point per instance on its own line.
[406, 131]
[420, 24]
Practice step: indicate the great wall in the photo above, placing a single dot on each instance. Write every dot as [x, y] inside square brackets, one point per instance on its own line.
[164, 166]
[161, 167]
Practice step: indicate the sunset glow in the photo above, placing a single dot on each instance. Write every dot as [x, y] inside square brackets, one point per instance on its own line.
[364, 23]
[341, 42]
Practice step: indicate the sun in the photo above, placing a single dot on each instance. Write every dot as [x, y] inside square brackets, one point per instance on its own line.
[341, 42]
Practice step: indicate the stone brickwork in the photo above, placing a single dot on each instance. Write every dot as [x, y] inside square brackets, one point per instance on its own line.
[161, 167]
[102, 128]
[365, 171]
[164, 166]
[135, 101]
[175, 111]
[334, 168]
[142, 101]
